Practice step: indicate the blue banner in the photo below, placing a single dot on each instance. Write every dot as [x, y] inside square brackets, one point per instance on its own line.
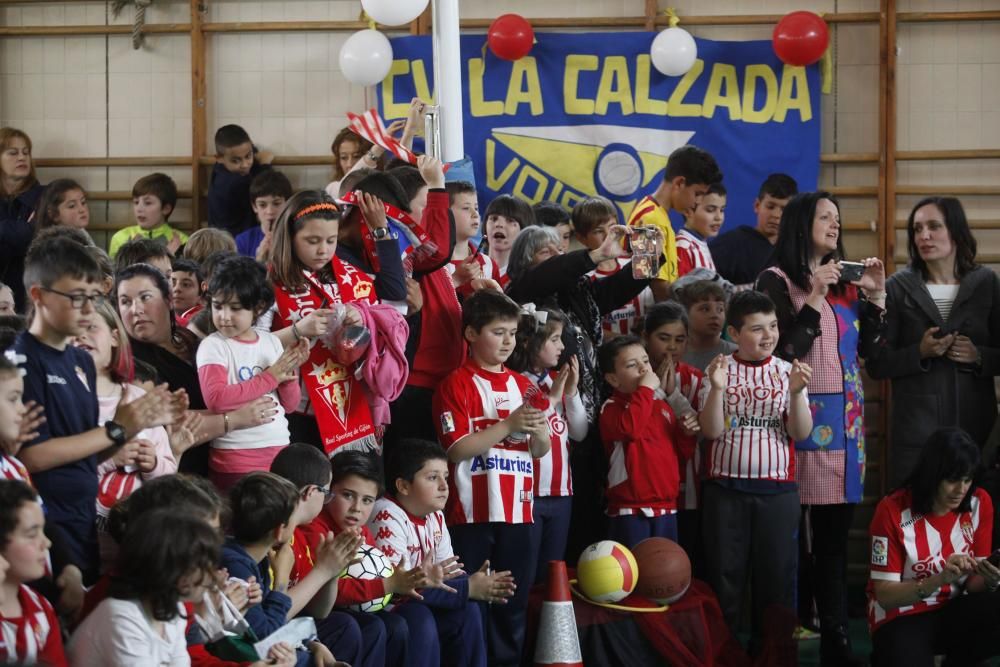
[586, 113]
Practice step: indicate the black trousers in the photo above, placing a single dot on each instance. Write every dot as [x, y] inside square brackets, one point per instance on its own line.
[964, 629]
[825, 564]
[751, 538]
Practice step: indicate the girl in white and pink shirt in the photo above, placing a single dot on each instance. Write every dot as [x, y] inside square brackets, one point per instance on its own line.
[239, 364]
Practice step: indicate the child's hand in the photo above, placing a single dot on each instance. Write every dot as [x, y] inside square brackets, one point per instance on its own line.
[238, 593]
[279, 655]
[438, 573]
[333, 554]
[798, 379]
[174, 244]
[415, 117]
[126, 454]
[432, 171]
[392, 128]
[649, 379]
[155, 408]
[145, 457]
[689, 423]
[352, 316]
[264, 249]
[414, 297]
[480, 284]
[494, 587]
[255, 594]
[572, 376]
[526, 419]
[282, 559]
[718, 372]
[373, 211]
[315, 324]
[70, 583]
[186, 432]
[406, 582]
[468, 270]
[34, 416]
[265, 157]
[322, 657]
[286, 367]
[668, 375]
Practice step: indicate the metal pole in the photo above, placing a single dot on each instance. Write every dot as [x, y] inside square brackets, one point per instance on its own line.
[448, 78]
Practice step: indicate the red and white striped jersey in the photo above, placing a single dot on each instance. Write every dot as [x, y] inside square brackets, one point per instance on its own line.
[553, 476]
[906, 545]
[32, 639]
[408, 539]
[755, 443]
[13, 469]
[486, 263]
[626, 319]
[497, 485]
[692, 253]
[689, 381]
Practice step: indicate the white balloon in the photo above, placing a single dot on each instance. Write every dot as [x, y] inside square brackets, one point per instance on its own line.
[365, 58]
[394, 12]
[673, 52]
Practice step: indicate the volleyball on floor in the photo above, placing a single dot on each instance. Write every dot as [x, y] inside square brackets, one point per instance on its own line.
[606, 572]
[664, 570]
[372, 564]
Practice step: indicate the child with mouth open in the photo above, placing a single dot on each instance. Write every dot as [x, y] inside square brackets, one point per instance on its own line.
[506, 216]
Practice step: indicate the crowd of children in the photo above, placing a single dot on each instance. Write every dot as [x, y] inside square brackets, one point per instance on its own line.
[360, 370]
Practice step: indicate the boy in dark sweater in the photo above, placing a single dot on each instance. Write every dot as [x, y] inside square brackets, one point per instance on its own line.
[237, 162]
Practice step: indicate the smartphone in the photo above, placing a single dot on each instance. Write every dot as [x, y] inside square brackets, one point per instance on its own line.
[481, 247]
[851, 272]
[942, 332]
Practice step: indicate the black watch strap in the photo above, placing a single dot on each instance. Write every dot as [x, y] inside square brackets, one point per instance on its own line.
[115, 432]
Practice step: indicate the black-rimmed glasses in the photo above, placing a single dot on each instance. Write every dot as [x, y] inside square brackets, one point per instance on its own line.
[77, 300]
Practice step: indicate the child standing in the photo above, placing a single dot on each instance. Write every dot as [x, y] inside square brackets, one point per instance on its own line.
[153, 200]
[689, 172]
[506, 216]
[538, 353]
[30, 628]
[269, 190]
[645, 445]
[237, 162]
[700, 224]
[753, 408]
[467, 262]
[705, 301]
[238, 364]
[592, 219]
[492, 440]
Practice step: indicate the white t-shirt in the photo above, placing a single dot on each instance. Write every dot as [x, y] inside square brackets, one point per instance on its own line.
[243, 361]
[118, 633]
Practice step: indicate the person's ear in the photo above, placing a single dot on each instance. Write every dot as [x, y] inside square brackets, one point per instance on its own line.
[470, 334]
[732, 332]
[612, 380]
[35, 293]
[167, 209]
[402, 487]
[756, 205]
[678, 182]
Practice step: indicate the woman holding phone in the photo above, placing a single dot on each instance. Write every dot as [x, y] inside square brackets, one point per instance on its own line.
[931, 589]
[829, 323]
[943, 328]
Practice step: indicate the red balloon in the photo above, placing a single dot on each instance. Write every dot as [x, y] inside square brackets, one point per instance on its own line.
[800, 38]
[510, 37]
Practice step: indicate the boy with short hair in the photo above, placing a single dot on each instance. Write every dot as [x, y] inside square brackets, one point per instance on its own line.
[700, 224]
[186, 289]
[30, 627]
[355, 485]
[753, 407]
[505, 217]
[644, 443]
[551, 214]
[467, 263]
[592, 218]
[144, 251]
[690, 170]
[64, 282]
[237, 162]
[492, 437]
[705, 301]
[263, 506]
[410, 529]
[741, 254]
[153, 200]
[269, 190]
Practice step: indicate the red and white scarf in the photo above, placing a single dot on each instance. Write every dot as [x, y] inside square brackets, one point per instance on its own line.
[418, 242]
[337, 396]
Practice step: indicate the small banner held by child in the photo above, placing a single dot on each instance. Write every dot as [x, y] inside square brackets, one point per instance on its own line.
[587, 113]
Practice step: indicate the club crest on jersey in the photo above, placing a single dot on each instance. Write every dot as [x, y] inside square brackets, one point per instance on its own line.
[447, 422]
[880, 551]
[967, 532]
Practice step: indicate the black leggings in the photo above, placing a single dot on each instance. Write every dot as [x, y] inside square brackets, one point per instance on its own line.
[965, 630]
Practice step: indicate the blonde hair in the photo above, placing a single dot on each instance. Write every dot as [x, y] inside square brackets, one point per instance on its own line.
[7, 137]
[206, 241]
[122, 365]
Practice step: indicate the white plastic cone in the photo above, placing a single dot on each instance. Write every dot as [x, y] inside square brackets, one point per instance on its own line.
[558, 644]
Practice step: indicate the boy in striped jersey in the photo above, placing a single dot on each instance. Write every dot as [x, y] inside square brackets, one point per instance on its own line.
[703, 222]
[492, 439]
[29, 629]
[753, 408]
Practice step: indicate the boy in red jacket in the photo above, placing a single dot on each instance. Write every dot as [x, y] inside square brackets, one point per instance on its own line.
[645, 445]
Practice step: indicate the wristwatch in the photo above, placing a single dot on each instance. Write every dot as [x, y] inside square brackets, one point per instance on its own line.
[115, 432]
[380, 233]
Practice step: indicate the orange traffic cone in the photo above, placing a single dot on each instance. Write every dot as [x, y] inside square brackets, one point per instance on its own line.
[558, 643]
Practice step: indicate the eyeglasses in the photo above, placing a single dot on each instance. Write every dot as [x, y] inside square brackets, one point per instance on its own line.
[327, 493]
[77, 300]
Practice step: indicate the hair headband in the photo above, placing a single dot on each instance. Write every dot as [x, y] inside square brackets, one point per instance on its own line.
[325, 206]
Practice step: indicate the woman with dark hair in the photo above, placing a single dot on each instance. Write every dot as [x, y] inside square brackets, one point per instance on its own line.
[19, 194]
[830, 324]
[941, 339]
[931, 589]
[143, 297]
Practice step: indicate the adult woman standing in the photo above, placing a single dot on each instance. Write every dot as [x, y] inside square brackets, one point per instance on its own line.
[830, 325]
[943, 325]
[143, 297]
[19, 193]
[929, 540]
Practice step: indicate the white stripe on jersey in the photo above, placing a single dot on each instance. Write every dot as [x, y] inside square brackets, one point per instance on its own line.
[695, 249]
[755, 443]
